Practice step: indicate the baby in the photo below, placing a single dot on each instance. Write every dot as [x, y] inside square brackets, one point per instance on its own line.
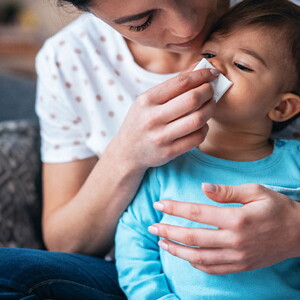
[257, 47]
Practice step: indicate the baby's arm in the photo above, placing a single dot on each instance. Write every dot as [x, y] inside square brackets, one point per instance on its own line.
[137, 252]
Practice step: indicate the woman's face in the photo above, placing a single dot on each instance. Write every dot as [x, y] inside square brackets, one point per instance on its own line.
[175, 25]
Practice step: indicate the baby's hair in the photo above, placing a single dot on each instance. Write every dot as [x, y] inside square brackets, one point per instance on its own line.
[282, 15]
[82, 5]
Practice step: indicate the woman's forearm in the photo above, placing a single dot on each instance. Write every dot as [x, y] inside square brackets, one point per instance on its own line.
[87, 222]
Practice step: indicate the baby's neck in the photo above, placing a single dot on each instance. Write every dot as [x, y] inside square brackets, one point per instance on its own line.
[236, 144]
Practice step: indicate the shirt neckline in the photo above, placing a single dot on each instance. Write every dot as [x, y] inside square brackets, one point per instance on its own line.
[252, 166]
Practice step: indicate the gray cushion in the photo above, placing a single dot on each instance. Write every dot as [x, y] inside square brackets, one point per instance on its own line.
[20, 200]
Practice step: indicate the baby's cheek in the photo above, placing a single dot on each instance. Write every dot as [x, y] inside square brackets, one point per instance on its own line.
[237, 100]
[229, 97]
[240, 90]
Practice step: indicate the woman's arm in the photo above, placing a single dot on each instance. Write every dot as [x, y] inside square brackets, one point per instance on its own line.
[262, 232]
[84, 199]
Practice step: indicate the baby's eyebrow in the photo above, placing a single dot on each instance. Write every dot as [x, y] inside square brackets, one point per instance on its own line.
[254, 54]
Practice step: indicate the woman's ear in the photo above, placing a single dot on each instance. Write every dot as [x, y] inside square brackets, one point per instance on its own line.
[288, 107]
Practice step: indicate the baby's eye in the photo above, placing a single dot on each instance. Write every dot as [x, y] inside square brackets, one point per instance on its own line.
[208, 55]
[243, 68]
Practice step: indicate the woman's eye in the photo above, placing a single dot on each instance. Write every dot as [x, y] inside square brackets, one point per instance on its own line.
[208, 55]
[143, 26]
[243, 68]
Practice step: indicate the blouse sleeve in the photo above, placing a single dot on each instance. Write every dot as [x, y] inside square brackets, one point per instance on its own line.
[62, 128]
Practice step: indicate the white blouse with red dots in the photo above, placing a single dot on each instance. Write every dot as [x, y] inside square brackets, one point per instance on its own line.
[87, 80]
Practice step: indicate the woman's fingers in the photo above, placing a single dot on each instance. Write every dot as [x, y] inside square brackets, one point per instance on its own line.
[146, 124]
[186, 103]
[221, 269]
[178, 85]
[206, 214]
[253, 232]
[187, 142]
[200, 237]
[216, 261]
[200, 256]
[189, 123]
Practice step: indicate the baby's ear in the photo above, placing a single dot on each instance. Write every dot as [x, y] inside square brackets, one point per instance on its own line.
[288, 107]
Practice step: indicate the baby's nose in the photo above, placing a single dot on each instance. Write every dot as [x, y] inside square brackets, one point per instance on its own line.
[218, 64]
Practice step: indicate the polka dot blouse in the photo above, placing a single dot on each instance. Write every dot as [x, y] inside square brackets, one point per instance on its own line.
[87, 80]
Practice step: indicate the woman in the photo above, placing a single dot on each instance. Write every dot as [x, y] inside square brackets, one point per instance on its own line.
[89, 75]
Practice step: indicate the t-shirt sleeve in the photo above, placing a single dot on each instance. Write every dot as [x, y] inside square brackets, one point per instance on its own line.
[138, 261]
[63, 134]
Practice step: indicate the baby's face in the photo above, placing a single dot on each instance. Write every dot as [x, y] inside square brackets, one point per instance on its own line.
[252, 60]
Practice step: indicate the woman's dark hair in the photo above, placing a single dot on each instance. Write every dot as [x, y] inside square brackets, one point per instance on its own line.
[282, 15]
[80, 4]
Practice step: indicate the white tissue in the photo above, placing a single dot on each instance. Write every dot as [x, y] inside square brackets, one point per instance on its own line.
[220, 85]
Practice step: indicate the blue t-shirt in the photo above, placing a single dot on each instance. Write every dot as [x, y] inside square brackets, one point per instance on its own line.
[148, 272]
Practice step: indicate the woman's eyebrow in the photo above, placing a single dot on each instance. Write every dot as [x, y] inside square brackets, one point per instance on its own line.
[254, 54]
[131, 18]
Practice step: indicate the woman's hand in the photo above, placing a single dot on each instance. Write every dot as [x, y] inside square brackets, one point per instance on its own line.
[264, 231]
[155, 130]
[167, 120]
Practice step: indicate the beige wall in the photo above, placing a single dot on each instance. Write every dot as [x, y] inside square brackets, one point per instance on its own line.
[51, 17]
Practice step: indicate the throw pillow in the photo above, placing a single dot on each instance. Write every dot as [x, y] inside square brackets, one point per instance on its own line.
[20, 200]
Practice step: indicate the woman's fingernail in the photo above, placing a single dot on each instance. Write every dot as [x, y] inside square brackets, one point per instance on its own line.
[209, 188]
[159, 206]
[152, 229]
[215, 72]
[163, 245]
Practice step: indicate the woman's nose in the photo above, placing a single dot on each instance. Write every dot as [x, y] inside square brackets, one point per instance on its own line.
[183, 24]
[217, 62]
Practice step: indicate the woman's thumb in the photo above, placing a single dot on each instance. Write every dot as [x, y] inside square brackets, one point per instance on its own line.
[244, 193]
